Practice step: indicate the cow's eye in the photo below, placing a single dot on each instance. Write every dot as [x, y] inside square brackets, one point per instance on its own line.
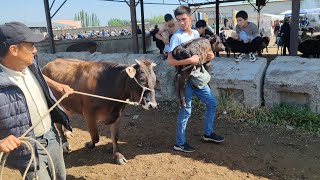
[143, 80]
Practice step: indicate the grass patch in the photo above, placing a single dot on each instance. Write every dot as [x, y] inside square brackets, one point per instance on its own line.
[296, 116]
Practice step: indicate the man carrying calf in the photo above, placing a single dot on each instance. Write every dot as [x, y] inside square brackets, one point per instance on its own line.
[185, 33]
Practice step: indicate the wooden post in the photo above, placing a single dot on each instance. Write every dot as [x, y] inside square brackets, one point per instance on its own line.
[294, 26]
[134, 27]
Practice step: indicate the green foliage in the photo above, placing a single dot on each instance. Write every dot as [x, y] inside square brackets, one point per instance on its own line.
[297, 116]
[86, 19]
[118, 22]
[156, 19]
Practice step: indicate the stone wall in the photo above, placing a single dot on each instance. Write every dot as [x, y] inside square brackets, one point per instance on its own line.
[292, 80]
[115, 44]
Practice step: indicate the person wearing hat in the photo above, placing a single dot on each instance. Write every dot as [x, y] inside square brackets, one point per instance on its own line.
[285, 35]
[24, 98]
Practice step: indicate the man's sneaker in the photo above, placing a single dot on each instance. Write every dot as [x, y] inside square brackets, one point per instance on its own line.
[252, 57]
[240, 57]
[213, 137]
[184, 148]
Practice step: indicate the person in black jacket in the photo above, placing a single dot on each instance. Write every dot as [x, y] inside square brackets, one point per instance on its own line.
[285, 35]
[159, 43]
[24, 99]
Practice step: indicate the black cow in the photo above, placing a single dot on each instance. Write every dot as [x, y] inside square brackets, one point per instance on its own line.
[90, 46]
[310, 47]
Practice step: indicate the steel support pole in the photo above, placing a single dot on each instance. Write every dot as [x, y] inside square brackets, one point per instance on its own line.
[135, 44]
[217, 21]
[143, 28]
[49, 26]
[294, 28]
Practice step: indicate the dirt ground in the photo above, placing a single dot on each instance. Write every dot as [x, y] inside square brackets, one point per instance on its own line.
[250, 151]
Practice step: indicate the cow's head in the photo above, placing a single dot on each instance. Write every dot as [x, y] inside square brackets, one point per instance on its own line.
[216, 43]
[143, 84]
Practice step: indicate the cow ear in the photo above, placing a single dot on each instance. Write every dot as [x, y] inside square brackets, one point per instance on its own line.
[131, 71]
[138, 62]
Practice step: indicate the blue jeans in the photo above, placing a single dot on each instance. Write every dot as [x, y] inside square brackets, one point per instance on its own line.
[51, 141]
[207, 97]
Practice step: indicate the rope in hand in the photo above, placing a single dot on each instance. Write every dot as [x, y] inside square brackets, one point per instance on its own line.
[25, 140]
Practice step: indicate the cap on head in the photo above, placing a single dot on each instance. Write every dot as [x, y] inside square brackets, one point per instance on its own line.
[15, 32]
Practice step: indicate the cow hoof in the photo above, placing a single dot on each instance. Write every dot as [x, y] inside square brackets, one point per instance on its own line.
[68, 134]
[120, 159]
[66, 147]
[89, 145]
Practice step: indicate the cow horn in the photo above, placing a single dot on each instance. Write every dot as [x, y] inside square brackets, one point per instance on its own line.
[137, 61]
[153, 64]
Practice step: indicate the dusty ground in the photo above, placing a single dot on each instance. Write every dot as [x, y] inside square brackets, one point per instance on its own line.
[249, 152]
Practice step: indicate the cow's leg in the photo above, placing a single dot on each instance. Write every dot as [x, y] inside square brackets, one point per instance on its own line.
[114, 129]
[64, 137]
[93, 130]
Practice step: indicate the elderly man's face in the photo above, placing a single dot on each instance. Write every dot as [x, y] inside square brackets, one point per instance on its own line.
[25, 53]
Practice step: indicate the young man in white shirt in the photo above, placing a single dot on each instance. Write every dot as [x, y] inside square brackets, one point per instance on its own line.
[184, 34]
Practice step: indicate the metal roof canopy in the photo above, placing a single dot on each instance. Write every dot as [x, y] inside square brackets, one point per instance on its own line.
[293, 33]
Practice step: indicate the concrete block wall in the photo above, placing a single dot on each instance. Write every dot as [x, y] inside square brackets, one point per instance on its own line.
[243, 80]
[292, 80]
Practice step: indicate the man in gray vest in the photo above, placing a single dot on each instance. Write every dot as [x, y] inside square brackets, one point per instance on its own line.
[24, 98]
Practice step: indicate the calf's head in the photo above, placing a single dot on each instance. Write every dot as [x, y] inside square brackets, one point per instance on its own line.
[142, 86]
[216, 43]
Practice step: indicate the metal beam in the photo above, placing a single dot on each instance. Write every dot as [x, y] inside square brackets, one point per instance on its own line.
[294, 28]
[49, 26]
[217, 21]
[58, 9]
[135, 44]
[207, 3]
[143, 28]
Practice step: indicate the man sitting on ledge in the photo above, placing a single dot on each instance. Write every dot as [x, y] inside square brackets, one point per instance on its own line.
[246, 40]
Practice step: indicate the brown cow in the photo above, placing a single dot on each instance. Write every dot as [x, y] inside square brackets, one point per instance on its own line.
[199, 46]
[135, 82]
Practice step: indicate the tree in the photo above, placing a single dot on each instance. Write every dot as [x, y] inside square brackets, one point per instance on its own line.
[86, 19]
[156, 19]
[118, 22]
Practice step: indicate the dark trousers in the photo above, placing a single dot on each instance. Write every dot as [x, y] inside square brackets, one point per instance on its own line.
[240, 46]
[286, 44]
[160, 46]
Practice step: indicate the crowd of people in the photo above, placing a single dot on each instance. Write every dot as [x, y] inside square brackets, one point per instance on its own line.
[93, 34]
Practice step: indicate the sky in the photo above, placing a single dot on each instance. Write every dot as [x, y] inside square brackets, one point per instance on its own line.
[31, 12]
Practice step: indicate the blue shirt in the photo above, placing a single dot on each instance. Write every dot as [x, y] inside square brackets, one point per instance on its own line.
[180, 37]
